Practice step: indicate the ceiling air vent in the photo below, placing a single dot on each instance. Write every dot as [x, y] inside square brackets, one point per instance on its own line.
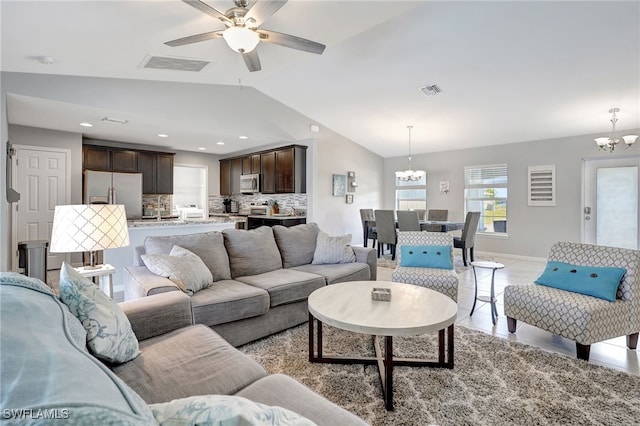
[542, 185]
[431, 90]
[173, 63]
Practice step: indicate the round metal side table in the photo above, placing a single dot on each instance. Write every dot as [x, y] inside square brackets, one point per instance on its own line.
[492, 298]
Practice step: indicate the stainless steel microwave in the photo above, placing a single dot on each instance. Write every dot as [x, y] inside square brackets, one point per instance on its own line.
[250, 184]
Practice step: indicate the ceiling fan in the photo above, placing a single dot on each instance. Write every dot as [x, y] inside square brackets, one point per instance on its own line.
[243, 33]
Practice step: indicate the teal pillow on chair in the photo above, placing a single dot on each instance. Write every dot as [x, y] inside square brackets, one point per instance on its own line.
[426, 257]
[597, 281]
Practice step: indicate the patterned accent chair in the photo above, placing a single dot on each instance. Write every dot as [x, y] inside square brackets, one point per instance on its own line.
[444, 281]
[585, 319]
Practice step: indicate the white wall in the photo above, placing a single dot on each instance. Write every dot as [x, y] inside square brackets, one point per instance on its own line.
[531, 230]
[333, 153]
[5, 235]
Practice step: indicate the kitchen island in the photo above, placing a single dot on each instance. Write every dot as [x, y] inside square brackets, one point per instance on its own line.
[256, 221]
[140, 229]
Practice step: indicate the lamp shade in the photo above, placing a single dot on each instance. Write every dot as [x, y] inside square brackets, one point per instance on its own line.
[80, 228]
[241, 39]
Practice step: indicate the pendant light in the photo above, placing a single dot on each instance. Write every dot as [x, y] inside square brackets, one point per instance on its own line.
[410, 174]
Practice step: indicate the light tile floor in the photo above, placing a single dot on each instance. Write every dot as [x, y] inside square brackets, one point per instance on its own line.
[611, 353]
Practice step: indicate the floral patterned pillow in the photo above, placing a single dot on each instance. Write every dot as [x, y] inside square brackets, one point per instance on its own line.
[109, 333]
[222, 410]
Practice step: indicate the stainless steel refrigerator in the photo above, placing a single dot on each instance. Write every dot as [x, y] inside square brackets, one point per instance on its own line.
[115, 188]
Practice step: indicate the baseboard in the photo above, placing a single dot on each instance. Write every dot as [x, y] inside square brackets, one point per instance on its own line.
[511, 256]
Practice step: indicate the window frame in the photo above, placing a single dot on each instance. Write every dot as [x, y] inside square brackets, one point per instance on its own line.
[495, 174]
[407, 186]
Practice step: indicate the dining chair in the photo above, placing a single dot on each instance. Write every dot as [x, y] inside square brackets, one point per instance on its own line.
[438, 214]
[408, 220]
[422, 213]
[386, 228]
[467, 240]
[368, 226]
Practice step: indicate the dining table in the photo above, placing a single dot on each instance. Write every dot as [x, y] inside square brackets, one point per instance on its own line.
[425, 225]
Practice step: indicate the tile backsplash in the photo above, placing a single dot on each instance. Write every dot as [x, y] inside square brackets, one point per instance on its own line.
[285, 201]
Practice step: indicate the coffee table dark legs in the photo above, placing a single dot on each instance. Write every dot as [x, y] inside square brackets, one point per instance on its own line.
[385, 361]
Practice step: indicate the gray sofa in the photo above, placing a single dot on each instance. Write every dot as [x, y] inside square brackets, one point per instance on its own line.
[60, 379]
[262, 277]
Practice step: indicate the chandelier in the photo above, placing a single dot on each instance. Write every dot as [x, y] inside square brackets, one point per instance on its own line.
[410, 174]
[609, 143]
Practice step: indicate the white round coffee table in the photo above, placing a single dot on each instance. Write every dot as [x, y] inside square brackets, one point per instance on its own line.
[412, 310]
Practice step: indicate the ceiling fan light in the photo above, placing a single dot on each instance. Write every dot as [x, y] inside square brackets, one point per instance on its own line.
[630, 139]
[241, 39]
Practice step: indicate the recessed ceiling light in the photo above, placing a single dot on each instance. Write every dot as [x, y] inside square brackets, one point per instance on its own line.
[243, 137]
[163, 135]
[202, 148]
[219, 143]
[86, 124]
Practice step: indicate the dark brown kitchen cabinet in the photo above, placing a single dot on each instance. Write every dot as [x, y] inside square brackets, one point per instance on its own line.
[123, 160]
[157, 172]
[225, 177]
[147, 165]
[268, 177]
[235, 173]
[96, 158]
[283, 170]
[291, 170]
[164, 174]
[251, 164]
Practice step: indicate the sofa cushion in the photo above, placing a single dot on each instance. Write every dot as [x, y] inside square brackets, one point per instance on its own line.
[207, 246]
[181, 266]
[296, 243]
[227, 301]
[251, 252]
[285, 285]
[109, 333]
[339, 272]
[43, 367]
[190, 361]
[330, 249]
[281, 390]
[219, 410]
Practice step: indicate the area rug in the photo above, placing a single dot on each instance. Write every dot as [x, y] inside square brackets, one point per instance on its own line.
[494, 382]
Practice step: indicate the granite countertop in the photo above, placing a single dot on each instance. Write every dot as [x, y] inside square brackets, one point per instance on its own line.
[178, 222]
[275, 216]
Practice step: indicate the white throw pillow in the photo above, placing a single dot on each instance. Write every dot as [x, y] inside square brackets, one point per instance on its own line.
[109, 333]
[330, 250]
[222, 410]
[181, 266]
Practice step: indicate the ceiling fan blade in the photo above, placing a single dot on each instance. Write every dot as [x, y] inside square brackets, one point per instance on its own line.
[263, 9]
[252, 60]
[205, 8]
[194, 38]
[293, 42]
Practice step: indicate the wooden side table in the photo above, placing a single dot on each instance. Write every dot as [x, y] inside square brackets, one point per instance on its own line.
[105, 276]
[492, 298]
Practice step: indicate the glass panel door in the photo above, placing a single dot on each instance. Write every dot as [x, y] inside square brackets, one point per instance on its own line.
[610, 215]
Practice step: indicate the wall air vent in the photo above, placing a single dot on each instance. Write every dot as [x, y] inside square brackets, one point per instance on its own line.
[431, 90]
[542, 185]
[173, 63]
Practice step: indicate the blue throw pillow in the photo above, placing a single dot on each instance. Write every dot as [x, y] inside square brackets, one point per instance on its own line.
[596, 281]
[426, 256]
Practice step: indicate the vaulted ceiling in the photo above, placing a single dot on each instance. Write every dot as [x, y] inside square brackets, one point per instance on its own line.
[509, 72]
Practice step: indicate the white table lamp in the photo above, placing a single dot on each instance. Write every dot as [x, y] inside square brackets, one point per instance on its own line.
[89, 227]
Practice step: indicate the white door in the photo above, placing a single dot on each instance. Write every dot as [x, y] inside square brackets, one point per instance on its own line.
[611, 193]
[42, 177]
